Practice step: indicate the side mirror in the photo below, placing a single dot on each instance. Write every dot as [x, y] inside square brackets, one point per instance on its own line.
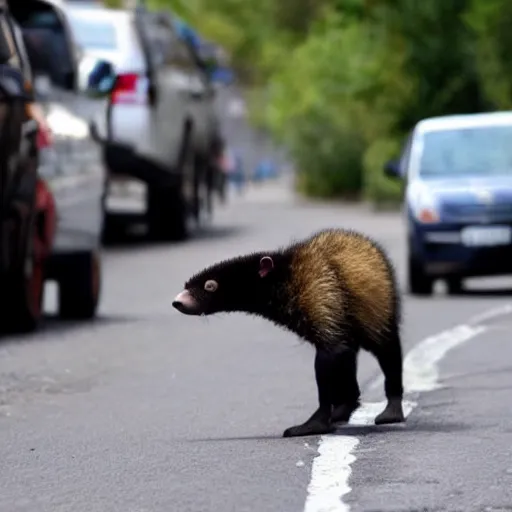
[392, 169]
[96, 77]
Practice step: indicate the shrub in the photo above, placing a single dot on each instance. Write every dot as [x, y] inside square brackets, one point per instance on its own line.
[489, 21]
[329, 154]
[337, 92]
[381, 191]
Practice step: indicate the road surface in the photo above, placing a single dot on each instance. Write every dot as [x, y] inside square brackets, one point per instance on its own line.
[146, 410]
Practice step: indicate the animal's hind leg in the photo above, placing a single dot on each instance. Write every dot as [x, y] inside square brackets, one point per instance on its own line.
[346, 393]
[390, 361]
[320, 421]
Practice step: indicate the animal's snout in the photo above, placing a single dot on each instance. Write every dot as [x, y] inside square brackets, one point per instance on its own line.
[185, 303]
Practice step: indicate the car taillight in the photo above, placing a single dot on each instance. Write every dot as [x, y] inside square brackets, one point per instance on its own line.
[130, 88]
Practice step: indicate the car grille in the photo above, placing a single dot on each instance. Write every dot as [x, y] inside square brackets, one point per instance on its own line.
[478, 213]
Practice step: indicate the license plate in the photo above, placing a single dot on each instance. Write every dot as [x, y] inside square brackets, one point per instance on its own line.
[126, 195]
[478, 236]
[127, 188]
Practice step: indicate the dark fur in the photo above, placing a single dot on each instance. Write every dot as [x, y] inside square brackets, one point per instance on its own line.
[242, 289]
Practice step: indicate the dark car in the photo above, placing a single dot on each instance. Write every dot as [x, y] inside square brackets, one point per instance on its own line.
[457, 171]
[62, 185]
[18, 182]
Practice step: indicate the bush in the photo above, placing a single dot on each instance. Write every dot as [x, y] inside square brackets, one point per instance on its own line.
[381, 191]
[330, 157]
[489, 20]
[327, 102]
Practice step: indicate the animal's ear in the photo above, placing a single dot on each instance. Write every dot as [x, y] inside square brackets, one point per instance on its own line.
[266, 265]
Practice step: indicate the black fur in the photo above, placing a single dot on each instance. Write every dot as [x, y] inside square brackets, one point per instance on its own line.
[242, 289]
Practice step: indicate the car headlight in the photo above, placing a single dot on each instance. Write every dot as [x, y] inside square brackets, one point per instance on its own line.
[425, 207]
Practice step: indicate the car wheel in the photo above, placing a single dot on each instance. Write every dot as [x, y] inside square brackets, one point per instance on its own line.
[203, 197]
[454, 286]
[79, 279]
[168, 206]
[419, 282]
[24, 287]
[167, 214]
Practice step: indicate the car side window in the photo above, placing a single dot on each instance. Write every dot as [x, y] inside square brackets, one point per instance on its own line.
[175, 51]
[46, 40]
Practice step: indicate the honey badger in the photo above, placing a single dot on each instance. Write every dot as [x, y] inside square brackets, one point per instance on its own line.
[336, 290]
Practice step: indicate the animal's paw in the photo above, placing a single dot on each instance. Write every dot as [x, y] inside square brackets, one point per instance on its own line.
[393, 413]
[342, 413]
[313, 428]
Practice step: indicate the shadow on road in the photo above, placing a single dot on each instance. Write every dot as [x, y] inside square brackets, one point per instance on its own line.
[357, 431]
[127, 239]
[52, 324]
[465, 293]
[501, 292]
[410, 426]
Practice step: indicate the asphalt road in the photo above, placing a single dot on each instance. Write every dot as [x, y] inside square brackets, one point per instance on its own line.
[146, 410]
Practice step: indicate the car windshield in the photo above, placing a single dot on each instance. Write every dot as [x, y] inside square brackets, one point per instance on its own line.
[473, 151]
[94, 34]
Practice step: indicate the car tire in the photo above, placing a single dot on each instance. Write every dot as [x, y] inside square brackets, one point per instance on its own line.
[168, 208]
[454, 286]
[23, 289]
[418, 282]
[79, 279]
[203, 197]
[167, 214]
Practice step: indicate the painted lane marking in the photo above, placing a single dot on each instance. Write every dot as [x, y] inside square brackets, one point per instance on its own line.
[331, 469]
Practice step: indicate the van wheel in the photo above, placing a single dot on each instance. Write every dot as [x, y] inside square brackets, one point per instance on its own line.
[167, 214]
[454, 286]
[79, 279]
[168, 208]
[24, 288]
[202, 199]
[419, 282]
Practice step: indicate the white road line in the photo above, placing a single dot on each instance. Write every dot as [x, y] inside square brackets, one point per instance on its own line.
[331, 469]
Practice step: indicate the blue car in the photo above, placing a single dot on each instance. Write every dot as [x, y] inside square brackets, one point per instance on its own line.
[458, 199]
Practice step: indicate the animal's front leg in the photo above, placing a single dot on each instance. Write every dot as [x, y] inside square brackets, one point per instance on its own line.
[320, 421]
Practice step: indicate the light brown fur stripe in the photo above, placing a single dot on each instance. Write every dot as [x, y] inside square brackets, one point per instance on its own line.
[337, 272]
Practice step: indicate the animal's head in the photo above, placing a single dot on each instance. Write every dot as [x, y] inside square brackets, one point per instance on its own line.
[238, 284]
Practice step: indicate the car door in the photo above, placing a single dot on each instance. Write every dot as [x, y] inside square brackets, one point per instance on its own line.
[18, 151]
[167, 113]
[172, 77]
[73, 165]
[198, 92]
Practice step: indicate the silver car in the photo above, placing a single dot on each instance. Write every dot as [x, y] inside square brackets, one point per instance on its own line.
[161, 119]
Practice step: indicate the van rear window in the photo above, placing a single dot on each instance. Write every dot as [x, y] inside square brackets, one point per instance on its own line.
[94, 34]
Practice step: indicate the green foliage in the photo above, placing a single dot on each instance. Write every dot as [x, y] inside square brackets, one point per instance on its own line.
[382, 191]
[325, 103]
[490, 21]
[329, 155]
[340, 82]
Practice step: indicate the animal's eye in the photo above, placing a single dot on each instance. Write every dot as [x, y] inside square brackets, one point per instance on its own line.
[211, 286]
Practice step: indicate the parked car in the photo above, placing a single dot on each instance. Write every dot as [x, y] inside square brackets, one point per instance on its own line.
[19, 275]
[159, 123]
[64, 182]
[458, 199]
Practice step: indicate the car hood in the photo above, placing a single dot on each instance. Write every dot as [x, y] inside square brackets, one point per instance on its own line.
[467, 190]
